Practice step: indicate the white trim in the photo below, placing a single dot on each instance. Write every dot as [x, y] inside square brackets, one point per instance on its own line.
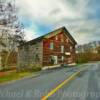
[50, 67]
[72, 64]
[67, 53]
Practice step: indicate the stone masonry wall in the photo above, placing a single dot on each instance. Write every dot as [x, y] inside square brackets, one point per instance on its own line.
[30, 56]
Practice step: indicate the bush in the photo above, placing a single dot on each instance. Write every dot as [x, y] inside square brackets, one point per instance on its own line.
[85, 57]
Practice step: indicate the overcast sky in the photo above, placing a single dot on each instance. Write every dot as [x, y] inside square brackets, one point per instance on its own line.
[80, 17]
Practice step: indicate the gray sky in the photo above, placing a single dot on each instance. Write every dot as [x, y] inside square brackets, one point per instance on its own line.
[80, 17]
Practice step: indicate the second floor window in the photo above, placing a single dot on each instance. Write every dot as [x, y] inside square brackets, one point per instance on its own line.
[51, 45]
[62, 49]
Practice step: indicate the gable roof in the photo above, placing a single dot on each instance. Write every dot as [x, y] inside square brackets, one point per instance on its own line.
[62, 29]
[69, 35]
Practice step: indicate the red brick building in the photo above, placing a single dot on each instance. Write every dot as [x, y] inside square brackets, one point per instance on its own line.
[54, 48]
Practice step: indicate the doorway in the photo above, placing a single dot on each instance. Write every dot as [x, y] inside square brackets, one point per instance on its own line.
[54, 60]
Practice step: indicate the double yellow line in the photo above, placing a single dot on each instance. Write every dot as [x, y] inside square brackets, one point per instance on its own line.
[61, 85]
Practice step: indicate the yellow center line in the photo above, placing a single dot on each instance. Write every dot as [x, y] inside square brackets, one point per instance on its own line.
[61, 85]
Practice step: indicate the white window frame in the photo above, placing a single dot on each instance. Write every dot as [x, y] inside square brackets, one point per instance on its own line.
[62, 58]
[62, 49]
[51, 45]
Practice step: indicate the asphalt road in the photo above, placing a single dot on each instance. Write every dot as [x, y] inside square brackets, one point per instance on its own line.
[86, 86]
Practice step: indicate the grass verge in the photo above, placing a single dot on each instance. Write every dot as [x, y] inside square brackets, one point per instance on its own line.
[9, 76]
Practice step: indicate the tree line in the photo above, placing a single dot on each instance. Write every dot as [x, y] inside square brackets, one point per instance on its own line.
[88, 52]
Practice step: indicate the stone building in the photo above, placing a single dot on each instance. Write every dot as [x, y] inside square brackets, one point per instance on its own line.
[54, 48]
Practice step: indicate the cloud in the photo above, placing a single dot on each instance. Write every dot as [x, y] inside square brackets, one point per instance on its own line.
[30, 34]
[79, 17]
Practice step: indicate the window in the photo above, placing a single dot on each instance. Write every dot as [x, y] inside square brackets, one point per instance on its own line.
[62, 49]
[53, 59]
[71, 48]
[62, 39]
[56, 37]
[62, 58]
[67, 40]
[51, 45]
[37, 59]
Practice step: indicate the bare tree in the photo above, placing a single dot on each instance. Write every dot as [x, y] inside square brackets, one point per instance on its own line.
[11, 27]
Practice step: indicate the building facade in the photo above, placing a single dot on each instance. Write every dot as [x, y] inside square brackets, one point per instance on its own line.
[54, 48]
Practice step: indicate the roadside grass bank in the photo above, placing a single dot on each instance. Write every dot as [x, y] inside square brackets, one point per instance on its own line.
[80, 64]
[12, 76]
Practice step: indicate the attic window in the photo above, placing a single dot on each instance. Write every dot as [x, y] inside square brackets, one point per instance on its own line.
[56, 37]
[67, 40]
[62, 39]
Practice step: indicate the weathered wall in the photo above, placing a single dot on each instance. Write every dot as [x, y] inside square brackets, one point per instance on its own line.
[0, 62]
[30, 55]
[59, 40]
[36, 54]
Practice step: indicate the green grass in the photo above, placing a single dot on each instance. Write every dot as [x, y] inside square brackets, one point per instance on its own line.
[80, 65]
[14, 76]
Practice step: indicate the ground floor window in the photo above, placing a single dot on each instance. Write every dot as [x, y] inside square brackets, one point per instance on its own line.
[54, 59]
[62, 58]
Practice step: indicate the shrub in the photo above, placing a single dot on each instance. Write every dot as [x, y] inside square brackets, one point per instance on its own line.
[85, 57]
